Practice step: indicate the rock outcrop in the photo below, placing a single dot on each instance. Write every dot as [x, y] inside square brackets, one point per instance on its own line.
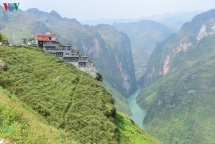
[2, 64]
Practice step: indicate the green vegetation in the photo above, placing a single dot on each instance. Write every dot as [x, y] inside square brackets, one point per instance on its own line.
[180, 105]
[20, 124]
[99, 77]
[24, 40]
[77, 107]
[121, 103]
[3, 39]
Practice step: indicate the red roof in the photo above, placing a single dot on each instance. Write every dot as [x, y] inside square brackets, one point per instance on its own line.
[46, 37]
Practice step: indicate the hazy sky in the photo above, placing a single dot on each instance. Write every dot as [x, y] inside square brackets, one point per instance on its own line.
[114, 9]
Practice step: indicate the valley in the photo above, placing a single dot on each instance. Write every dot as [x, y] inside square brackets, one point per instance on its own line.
[158, 80]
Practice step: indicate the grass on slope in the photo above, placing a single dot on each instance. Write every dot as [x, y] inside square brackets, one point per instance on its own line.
[120, 102]
[78, 104]
[129, 133]
[23, 125]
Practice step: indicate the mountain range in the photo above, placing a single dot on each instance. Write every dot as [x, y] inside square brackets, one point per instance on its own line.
[173, 21]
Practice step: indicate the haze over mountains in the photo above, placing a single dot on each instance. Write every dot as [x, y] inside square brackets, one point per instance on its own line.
[173, 21]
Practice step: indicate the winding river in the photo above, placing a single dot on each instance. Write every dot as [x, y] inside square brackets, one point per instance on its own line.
[138, 113]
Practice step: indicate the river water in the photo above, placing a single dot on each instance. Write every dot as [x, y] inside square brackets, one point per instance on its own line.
[138, 113]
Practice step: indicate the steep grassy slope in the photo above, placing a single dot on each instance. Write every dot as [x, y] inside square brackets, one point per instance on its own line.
[179, 86]
[78, 105]
[20, 124]
[120, 101]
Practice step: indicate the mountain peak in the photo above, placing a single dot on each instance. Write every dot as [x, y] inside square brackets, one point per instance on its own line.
[55, 14]
[33, 10]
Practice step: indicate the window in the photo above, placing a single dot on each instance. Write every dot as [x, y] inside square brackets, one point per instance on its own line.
[49, 42]
[67, 53]
[50, 38]
[59, 54]
[51, 49]
[66, 59]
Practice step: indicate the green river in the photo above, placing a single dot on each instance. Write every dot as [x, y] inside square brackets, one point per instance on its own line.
[138, 113]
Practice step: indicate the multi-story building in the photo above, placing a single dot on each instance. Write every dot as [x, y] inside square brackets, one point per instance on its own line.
[49, 43]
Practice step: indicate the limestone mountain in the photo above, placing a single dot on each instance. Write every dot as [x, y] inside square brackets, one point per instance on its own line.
[178, 92]
[143, 35]
[107, 47]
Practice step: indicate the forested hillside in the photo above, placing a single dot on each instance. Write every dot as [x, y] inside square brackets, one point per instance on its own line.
[178, 92]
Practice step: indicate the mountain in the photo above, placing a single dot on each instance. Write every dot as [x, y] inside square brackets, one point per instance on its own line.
[58, 96]
[108, 21]
[143, 35]
[175, 21]
[107, 47]
[178, 92]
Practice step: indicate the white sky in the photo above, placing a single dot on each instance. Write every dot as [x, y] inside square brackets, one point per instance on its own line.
[114, 9]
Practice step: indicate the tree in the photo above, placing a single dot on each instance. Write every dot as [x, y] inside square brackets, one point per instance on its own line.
[24, 40]
[31, 39]
[3, 39]
[99, 77]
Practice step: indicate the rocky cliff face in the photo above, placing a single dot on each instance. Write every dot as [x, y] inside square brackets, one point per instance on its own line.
[143, 35]
[164, 58]
[112, 54]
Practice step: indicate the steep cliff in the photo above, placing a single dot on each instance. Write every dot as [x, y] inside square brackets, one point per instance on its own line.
[143, 35]
[178, 92]
[164, 58]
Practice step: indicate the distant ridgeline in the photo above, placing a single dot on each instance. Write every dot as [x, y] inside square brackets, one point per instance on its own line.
[49, 43]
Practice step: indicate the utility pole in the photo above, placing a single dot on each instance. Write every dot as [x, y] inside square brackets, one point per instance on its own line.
[13, 38]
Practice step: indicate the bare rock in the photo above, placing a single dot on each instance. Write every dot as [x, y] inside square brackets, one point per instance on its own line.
[59, 79]
[2, 64]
